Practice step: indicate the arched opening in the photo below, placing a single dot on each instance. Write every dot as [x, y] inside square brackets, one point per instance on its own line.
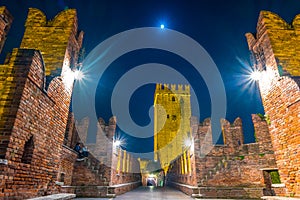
[62, 177]
[28, 151]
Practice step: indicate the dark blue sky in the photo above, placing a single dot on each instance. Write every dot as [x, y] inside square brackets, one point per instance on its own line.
[219, 26]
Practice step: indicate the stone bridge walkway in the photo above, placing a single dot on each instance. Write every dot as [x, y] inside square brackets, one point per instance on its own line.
[149, 193]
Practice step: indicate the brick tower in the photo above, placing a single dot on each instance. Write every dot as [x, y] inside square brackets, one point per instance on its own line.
[33, 117]
[275, 49]
[172, 113]
[57, 40]
[5, 23]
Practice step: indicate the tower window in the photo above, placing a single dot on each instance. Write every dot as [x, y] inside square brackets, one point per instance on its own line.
[28, 151]
[173, 98]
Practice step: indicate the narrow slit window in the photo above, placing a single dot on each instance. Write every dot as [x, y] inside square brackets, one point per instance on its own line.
[28, 151]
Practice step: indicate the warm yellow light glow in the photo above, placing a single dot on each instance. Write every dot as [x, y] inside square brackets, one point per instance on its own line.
[151, 176]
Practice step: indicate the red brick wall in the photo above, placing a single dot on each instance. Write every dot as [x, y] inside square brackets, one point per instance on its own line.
[90, 172]
[276, 43]
[100, 169]
[67, 160]
[233, 164]
[35, 111]
[29, 112]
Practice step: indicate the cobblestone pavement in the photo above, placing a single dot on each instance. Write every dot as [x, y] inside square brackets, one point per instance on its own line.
[149, 193]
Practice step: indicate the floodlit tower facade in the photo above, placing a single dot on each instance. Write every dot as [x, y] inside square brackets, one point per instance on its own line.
[172, 113]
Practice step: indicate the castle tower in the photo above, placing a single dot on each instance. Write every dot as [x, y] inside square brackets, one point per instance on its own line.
[5, 23]
[275, 50]
[172, 113]
[33, 119]
[57, 39]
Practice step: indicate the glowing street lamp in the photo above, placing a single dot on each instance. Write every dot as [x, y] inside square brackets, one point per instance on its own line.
[162, 26]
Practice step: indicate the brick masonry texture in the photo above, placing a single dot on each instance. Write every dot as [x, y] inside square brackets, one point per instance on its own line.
[38, 133]
[171, 102]
[227, 170]
[57, 39]
[33, 120]
[109, 170]
[275, 49]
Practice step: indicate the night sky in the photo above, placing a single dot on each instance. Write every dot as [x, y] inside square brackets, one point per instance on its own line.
[219, 26]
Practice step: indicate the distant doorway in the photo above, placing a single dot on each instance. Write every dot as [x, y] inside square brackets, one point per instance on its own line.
[151, 181]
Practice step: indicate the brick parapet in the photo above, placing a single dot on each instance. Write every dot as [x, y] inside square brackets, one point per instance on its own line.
[33, 125]
[67, 160]
[40, 111]
[279, 88]
[232, 164]
[107, 165]
[60, 56]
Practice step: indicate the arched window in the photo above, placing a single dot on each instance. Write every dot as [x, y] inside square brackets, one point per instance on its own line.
[173, 98]
[28, 151]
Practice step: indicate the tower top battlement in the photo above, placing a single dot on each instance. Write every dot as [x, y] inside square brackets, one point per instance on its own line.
[283, 38]
[180, 88]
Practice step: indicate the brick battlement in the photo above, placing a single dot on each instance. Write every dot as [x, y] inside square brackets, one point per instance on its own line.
[232, 133]
[173, 88]
[23, 88]
[61, 45]
[276, 32]
[232, 164]
[37, 130]
[275, 50]
[107, 165]
[33, 119]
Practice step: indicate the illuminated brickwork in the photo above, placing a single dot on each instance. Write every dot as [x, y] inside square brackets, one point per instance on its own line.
[37, 131]
[33, 119]
[172, 113]
[276, 53]
[57, 39]
[5, 23]
[231, 170]
[107, 165]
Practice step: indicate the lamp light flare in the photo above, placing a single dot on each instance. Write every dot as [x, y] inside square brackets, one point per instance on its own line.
[78, 75]
[255, 75]
[187, 142]
[68, 78]
[162, 26]
[117, 143]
